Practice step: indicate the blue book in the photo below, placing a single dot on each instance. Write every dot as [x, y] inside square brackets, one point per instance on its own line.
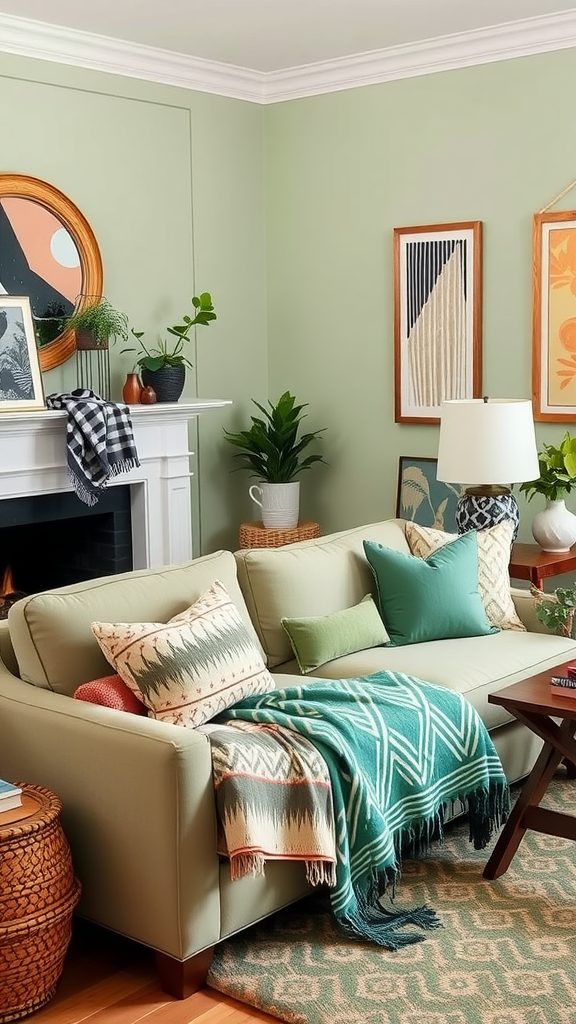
[10, 796]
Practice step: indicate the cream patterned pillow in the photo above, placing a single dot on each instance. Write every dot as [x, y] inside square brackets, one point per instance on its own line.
[189, 669]
[494, 547]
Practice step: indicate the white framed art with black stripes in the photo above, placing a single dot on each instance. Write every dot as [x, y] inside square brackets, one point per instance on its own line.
[20, 376]
[437, 318]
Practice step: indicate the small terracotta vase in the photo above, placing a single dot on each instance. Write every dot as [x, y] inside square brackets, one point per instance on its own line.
[148, 396]
[132, 389]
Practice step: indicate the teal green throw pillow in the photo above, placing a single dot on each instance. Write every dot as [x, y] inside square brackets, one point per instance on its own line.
[430, 598]
[317, 639]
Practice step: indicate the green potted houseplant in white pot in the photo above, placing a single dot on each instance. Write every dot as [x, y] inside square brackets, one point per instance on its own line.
[272, 450]
[554, 529]
[163, 367]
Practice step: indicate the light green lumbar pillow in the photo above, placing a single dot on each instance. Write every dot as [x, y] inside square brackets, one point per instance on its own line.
[432, 598]
[317, 639]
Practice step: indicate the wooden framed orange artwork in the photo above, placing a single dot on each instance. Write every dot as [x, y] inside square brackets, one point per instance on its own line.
[554, 317]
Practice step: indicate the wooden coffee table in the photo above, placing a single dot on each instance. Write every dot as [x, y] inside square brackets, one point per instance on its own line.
[531, 702]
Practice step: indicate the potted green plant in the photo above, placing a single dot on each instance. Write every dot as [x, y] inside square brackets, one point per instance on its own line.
[272, 450]
[96, 322]
[555, 527]
[556, 610]
[164, 367]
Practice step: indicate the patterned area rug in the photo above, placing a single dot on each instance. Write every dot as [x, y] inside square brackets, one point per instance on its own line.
[506, 952]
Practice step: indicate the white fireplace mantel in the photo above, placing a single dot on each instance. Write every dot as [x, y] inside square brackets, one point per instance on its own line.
[33, 461]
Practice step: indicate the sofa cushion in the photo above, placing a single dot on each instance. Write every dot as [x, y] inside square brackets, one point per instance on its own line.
[312, 577]
[51, 631]
[191, 668]
[432, 598]
[494, 547]
[111, 692]
[319, 638]
[475, 666]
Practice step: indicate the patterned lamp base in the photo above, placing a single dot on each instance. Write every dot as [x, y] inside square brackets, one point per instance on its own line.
[480, 511]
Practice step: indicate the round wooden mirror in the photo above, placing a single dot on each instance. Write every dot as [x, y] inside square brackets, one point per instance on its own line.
[48, 252]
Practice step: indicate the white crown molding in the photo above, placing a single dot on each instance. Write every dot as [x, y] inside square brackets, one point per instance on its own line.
[27, 38]
[483, 46]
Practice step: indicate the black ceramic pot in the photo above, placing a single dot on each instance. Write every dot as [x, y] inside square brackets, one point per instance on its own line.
[168, 382]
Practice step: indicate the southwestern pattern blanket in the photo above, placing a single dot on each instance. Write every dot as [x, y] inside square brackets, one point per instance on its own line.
[398, 751]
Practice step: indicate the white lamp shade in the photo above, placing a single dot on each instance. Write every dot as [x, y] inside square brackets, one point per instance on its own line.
[487, 442]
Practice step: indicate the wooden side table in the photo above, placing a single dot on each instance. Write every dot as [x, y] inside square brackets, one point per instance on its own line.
[531, 702]
[38, 893]
[529, 562]
[256, 535]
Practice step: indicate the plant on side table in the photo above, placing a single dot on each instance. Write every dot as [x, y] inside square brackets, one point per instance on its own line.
[163, 368]
[272, 451]
[554, 529]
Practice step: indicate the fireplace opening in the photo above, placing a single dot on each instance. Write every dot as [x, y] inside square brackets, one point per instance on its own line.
[52, 540]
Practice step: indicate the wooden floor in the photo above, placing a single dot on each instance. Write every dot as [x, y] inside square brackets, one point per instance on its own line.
[110, 980]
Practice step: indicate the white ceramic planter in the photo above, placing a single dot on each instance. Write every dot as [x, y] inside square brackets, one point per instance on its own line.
[280, 504]
[554, 529]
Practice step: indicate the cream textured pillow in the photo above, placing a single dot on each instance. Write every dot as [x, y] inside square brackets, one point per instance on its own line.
[189, 669]
[494, 547]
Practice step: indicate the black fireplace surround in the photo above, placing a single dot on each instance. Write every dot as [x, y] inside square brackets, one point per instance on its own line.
[52, 540]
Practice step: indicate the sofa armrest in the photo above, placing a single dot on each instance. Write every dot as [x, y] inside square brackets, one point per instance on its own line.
[526, 608]
[138, 811]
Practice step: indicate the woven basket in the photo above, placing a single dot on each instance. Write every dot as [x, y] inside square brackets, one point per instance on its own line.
[38, 893]
[256, 535]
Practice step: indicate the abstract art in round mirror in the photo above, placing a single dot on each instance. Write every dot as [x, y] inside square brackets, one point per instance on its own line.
[48, 252]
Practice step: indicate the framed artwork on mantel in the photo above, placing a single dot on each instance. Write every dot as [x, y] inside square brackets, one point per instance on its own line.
[437, 318]
[20, 376]
[554, 317]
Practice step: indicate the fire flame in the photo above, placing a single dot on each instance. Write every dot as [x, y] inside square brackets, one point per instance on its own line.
[7, 583]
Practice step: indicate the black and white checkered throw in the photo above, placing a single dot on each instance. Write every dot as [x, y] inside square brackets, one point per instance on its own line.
[99, 438]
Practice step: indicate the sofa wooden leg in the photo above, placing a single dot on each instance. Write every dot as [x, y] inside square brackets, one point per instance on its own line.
[181, 978]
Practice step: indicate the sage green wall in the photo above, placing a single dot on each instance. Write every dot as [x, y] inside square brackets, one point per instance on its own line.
[285, 213]
[172, 183]
[493, 143]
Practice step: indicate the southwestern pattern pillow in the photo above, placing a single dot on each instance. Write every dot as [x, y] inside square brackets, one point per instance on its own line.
[494, 547]
[189, 669]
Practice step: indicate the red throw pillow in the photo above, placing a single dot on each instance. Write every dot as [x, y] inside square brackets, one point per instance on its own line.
[111, 692]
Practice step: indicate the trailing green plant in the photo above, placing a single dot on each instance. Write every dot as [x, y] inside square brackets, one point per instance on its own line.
[101, 318]
[272, 449]
[556, 611]
[557, 471]
[168, 353]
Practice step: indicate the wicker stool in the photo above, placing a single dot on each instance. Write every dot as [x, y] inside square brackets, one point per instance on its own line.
[256, 535]
[38, 893]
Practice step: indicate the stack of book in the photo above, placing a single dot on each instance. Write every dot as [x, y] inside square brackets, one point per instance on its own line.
[563, 686]
[10, 796]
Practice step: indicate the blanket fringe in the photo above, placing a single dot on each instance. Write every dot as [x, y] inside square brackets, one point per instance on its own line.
[487, 810]
[85, 495]
[123, 466]
[321, 872]
[242, 864]
[318, 872]
[374, 923]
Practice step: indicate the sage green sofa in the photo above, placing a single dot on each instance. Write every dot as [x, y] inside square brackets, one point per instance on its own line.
[137, 794]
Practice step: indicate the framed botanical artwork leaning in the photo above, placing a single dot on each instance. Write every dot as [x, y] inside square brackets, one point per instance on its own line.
[422, 498]
[20, 376]
[437, 318]
[554, 316]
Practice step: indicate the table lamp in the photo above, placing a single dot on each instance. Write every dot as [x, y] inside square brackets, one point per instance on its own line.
[487, 444]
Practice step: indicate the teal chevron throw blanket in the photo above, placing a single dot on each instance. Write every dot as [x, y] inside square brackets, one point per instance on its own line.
[399, 750]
